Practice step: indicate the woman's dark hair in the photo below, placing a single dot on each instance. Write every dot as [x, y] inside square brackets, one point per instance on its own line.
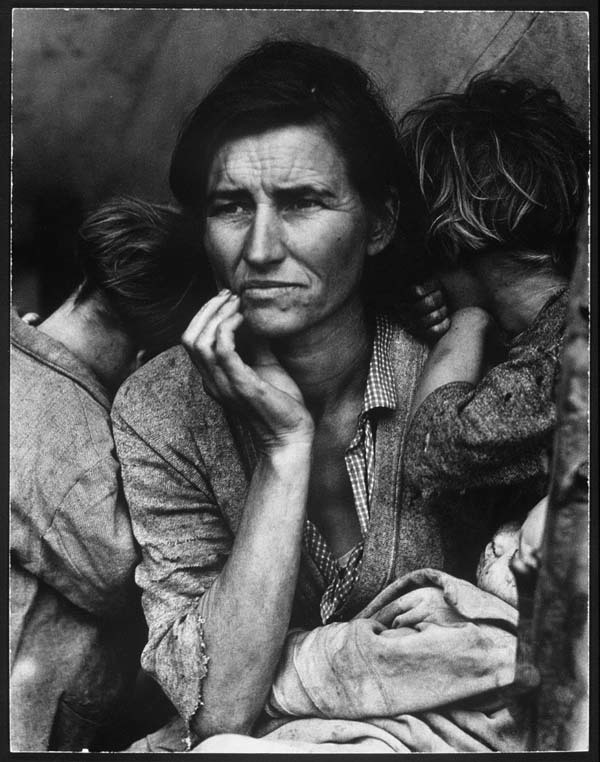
[501, 166]
[285, 82]
[291, 82]
[143, 265]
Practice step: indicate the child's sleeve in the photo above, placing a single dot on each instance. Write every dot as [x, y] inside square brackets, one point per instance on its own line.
[494, 434]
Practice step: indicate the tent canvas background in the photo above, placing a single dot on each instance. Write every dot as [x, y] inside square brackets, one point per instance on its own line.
[98, 95]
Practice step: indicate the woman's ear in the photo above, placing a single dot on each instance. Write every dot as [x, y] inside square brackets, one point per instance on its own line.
[383, 226]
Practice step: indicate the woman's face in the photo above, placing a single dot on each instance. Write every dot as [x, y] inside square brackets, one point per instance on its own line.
[285, 229]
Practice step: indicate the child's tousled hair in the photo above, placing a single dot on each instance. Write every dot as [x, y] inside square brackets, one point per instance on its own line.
[502, 165]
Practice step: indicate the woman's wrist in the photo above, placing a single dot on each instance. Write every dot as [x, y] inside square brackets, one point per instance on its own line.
[289, 451]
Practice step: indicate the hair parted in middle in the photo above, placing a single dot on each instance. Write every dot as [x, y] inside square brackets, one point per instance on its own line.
[292, 82]
[502, 165]
[285, 82]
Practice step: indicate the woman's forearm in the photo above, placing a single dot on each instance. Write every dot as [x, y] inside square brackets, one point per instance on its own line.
[251, 600]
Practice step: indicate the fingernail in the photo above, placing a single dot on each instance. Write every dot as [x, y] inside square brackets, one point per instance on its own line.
[224, 291]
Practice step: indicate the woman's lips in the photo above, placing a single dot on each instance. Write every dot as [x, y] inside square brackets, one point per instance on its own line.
[267, 289]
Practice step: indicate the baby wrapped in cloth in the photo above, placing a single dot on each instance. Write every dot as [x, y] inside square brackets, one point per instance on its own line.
[387, 681]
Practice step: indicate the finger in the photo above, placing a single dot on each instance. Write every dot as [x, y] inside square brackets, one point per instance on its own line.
[523, 566]
[205, 313]
[210, 316]
[217, 384]
[532, 533]
[424, 288]
[31, 318]
[399, 605]
[388, 613]
[200, 339]
[409, 618]
[429, 303]
[200, 348]
[224, 344]
[433, 318]
[243, 380]
[435, 332]
[214, 381]
[210, 389]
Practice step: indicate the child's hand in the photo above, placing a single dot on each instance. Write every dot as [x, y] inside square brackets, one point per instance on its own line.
[31, 318]
[424, 308]
[526, 559]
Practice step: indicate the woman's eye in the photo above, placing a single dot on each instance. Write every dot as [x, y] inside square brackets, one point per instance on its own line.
[301, 204]
[230, 208]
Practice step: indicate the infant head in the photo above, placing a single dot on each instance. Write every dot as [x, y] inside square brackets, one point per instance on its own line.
[493, 571]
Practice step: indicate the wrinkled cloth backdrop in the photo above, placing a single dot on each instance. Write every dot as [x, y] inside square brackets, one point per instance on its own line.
[98, 95]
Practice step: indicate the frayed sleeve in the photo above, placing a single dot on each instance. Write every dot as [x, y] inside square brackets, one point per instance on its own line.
[184, 543]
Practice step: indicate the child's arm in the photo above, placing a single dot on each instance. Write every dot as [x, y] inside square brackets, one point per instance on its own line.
[489, 433]
[463, 353]
[425, 307]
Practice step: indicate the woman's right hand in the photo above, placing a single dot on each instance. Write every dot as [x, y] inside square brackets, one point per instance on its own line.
[262, 393]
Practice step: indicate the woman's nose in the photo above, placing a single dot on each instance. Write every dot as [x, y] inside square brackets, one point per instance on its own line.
[263, 244]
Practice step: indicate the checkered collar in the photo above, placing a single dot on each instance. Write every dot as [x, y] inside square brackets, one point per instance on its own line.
[381, 388]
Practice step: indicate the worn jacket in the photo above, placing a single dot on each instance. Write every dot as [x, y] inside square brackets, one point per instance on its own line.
[186, 468]
[72, 550]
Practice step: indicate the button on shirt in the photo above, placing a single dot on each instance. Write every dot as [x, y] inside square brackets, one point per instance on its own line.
[340, 575]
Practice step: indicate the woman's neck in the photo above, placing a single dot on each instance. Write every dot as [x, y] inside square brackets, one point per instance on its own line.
[330, 362]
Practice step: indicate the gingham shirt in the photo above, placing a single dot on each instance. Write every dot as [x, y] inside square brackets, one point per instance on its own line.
[341, 574]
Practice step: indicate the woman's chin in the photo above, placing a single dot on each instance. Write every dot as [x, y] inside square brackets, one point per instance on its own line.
[273, 324]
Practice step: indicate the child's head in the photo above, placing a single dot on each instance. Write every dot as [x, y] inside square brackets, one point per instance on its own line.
[501, 166]
[141, 267]
[513, 546]
[494, 574]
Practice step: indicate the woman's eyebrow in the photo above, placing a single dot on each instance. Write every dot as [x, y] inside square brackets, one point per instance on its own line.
[226, 194]
[295, 191]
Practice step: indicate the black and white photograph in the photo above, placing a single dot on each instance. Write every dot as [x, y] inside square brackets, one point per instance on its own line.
[299, 419]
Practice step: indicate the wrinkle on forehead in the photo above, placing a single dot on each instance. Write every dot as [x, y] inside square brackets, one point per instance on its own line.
[280, 158]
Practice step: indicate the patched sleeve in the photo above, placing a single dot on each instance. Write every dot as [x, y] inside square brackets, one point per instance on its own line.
[184, 543]
[494, 434]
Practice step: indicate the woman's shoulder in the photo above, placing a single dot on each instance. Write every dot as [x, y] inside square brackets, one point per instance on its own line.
[168, 388]
[404, 350]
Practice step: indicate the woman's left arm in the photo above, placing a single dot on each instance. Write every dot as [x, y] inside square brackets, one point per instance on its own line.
[362, 668]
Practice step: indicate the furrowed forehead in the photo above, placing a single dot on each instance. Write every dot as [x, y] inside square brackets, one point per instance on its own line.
[293, 157]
